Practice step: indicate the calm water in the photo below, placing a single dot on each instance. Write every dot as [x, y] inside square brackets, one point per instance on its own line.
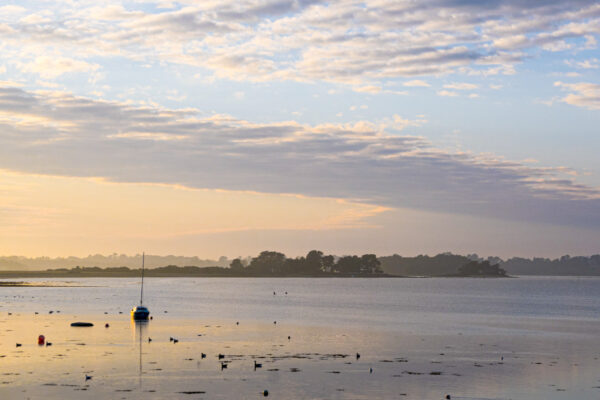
[434, 305]
[524, 338]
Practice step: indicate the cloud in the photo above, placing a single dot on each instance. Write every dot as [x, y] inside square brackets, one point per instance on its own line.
[446, 93]
[416, 83]
[461, 86]
[585, 64]
[582, 94]
[401, 123]
[356, 43]
[52, 67]
[57, 133]
[368, 89]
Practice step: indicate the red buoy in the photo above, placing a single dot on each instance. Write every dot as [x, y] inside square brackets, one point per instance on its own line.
[41, 340]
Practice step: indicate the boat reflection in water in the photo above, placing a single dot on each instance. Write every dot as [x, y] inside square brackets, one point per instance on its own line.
[140, 330]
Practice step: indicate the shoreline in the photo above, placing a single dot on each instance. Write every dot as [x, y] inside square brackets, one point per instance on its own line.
[149, 274]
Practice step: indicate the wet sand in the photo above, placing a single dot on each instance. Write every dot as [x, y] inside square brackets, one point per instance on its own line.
[315, 362]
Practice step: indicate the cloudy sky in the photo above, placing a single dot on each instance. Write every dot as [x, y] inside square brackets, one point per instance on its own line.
[228, 127]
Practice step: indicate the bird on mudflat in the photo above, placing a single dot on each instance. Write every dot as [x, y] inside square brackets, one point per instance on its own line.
[257, 365]
[87, 377]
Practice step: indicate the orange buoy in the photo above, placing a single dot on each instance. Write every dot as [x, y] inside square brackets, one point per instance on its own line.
[41, 340]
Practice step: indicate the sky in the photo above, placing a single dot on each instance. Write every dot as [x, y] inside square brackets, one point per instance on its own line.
[224, 127]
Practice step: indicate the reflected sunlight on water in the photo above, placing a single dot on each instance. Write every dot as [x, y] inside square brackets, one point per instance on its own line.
[423, 338]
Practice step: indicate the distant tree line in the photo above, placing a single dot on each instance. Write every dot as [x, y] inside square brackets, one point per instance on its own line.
[481, 268]
[109, 261]
[445, 264]
[315, 263]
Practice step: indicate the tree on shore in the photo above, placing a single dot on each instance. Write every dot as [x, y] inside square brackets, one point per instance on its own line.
[268, 263]
[475, 268]
[236, 265]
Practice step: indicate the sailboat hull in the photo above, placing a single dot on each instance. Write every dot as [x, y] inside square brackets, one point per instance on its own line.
[140, 313]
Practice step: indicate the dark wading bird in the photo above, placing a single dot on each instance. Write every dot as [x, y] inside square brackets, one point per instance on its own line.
[257, 365]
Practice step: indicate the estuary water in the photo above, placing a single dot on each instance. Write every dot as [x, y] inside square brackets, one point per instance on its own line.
[421, 338]
[422, 305]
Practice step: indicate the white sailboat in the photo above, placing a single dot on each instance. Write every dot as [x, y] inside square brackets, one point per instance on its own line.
[141, 313]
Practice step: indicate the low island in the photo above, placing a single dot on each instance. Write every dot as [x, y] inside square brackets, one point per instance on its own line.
[276, 264]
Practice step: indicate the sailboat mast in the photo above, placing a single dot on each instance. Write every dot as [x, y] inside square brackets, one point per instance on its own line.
[142, 289]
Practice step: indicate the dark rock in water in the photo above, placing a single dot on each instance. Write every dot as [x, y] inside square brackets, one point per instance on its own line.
[266, 393]
[83, 324]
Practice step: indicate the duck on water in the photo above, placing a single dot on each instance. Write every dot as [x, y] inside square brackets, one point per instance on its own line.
[141, 313]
